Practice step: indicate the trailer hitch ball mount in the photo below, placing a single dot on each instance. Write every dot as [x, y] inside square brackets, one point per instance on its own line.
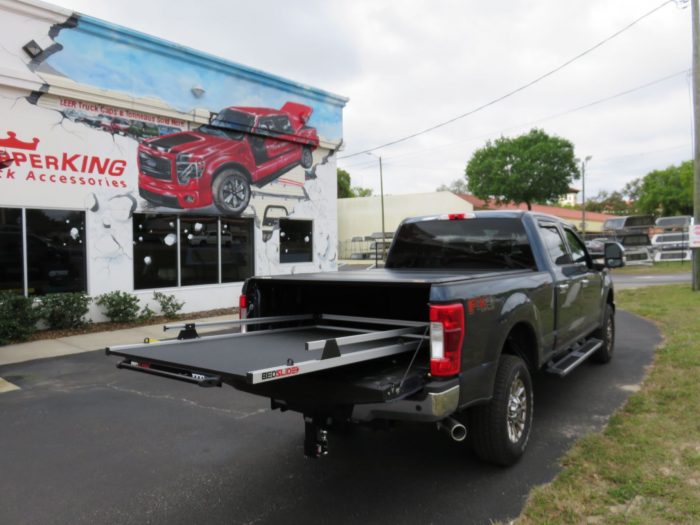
[315, 438]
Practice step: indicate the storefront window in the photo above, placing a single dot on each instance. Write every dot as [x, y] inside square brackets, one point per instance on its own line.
[55, 251]
[199, 250]
[236, 250]
[156, 248]
[155, 251]
[11, 266]
[295, 241]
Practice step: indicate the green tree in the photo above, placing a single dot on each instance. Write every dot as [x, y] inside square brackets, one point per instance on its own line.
[345, 188]
[613, 203]
[667, 192]
[534, 167]
[344, 184]
[456, 186]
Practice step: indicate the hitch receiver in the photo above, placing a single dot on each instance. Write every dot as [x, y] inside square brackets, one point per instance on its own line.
[315, 438]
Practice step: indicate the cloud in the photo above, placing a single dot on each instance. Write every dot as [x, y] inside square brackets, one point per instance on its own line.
[407, 65]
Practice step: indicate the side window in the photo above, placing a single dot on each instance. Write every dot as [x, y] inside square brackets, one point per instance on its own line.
[283, 125]
[578, 250]
[266, 124]
[555, 244]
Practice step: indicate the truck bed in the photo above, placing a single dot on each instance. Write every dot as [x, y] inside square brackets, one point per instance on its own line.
[270, 354]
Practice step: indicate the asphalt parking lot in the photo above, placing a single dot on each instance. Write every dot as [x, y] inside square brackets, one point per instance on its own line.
[83, 442]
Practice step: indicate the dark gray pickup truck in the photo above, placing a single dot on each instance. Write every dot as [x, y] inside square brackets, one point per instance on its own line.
[449, 332]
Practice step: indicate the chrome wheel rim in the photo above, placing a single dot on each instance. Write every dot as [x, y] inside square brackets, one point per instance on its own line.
[609, 334]
[517, 410]
[233, 193]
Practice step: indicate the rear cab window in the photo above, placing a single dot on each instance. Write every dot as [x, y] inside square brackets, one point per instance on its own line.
[482, 243]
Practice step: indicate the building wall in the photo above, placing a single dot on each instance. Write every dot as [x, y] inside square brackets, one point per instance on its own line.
[362, 216]
[82, 119]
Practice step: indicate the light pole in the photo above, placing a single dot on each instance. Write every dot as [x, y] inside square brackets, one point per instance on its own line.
[583, 194]
[695, 12]
[381, 193]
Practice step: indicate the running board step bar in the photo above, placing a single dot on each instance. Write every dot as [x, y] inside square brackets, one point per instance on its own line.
[564, 365]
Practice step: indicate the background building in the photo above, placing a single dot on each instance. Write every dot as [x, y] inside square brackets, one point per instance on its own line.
[360, 218]
[594, 221]
[135, 164]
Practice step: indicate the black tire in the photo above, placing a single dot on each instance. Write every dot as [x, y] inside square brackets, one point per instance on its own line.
[605, 333]
[307, 158]
[231, 192]
[499, 430]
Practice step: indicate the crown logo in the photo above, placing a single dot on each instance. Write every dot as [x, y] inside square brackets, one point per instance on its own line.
[14, 143]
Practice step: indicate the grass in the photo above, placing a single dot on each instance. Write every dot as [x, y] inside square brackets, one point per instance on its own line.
[645, 467]
[657, 268]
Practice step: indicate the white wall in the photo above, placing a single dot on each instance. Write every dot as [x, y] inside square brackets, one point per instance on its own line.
[363, 215]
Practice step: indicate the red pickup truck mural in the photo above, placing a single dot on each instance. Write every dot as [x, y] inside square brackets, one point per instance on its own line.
[218, 162]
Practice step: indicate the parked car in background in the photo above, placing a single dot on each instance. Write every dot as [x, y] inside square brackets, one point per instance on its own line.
[211, 237]
[142, 130]
[119, 125]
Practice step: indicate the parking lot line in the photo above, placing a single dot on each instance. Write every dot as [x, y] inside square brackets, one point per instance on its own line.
[6, 386]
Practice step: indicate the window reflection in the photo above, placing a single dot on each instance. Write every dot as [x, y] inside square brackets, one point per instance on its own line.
[11, 267]
[199, 250]
[155, 251]
[55, 251]
[295, 241]
[236, 250]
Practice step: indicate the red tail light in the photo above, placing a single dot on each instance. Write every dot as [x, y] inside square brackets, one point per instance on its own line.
[242, 307]
[446, 338]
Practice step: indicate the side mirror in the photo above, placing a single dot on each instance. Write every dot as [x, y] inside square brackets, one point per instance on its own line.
[614, 255]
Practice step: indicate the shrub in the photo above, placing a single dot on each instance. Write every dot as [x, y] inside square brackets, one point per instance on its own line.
[64, 310]
[168, 304]
[18, 317]
[146, 313]
[119, 307]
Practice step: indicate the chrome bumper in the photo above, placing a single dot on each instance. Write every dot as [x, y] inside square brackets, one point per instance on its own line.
[430, 407]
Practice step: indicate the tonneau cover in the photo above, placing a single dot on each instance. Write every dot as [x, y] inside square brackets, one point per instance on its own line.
[391, 276]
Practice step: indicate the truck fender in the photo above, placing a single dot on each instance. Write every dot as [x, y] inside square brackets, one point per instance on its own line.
[517, 310]
[229, 165]
[608, 297]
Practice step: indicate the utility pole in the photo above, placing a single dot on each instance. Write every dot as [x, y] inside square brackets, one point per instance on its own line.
[694, 12]
[381, 192]
[583, 194]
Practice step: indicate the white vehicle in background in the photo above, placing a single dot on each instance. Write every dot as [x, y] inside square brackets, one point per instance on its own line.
[210, 237]
[672, 244]
[632, 231]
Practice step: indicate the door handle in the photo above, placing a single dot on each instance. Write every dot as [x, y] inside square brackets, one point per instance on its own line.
[585, 282]
[563, 286]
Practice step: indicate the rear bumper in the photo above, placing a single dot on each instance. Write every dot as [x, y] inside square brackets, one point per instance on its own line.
[434, 403]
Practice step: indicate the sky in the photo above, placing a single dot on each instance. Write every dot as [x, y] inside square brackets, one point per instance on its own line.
[407, 65]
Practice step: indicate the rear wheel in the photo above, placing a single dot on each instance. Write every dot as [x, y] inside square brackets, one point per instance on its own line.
[499, 430]
[231, 192]
[307, 158]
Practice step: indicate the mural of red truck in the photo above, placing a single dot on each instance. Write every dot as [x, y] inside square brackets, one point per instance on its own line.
[218, 162]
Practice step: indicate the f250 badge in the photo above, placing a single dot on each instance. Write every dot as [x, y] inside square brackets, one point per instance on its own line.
[282, 372]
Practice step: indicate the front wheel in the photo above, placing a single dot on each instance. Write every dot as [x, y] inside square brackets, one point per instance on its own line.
[499, 430]
[231, 192]
[605, 333]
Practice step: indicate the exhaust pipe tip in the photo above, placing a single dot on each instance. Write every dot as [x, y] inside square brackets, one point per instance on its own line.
[453, 428]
